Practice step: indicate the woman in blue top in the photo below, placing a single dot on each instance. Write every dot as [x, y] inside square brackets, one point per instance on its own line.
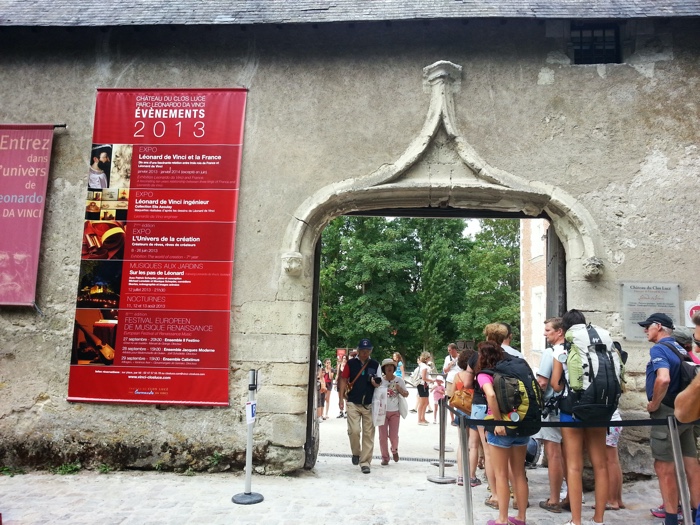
[398, 359]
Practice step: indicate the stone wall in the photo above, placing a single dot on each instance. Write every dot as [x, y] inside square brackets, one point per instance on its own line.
[337, 120]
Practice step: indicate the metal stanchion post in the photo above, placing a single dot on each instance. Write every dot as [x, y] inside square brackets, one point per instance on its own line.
[464, 448]
[443, 410]
[441, 478]
[248, 497]
[682, 480]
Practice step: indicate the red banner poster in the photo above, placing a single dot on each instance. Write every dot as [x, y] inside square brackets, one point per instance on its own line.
[154, 295]
[25, 155]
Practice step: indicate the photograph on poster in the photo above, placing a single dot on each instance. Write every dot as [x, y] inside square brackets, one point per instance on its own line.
[14, 272]
[94, 337]
[103, 240]
[92, 210]
[99, 284]
[121, 166]
[100, 167]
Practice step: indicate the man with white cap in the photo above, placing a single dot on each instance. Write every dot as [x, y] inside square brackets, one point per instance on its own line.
[360, 377]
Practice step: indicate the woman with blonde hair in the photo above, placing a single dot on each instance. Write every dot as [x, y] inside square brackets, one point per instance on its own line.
[423, 387]
[507, 453]
[328, 379]
[495, 333]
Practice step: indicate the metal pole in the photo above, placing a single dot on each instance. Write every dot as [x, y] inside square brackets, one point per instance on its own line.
[248, 497]
[441, 478]
[681, 479]
[464, 447]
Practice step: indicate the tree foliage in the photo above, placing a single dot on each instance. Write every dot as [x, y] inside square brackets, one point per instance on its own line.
[493, 272]
[414, 284]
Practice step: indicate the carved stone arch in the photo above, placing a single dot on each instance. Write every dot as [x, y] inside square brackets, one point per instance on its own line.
[440, 168]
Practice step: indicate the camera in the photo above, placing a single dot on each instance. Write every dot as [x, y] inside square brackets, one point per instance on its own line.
[550, 407]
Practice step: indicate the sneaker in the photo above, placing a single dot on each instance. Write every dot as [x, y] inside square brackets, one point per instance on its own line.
[396, 456]
[413, 410]
[340, 415]
[365, 469]
[474, 482]
[385, 462]
[356, 460]
[428, 411]
[658, 512]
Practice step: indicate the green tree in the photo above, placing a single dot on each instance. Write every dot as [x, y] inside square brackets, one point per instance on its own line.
[400, 282]
[493, 272]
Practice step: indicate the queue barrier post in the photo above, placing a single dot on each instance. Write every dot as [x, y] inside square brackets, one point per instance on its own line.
[247, 497]
[681, 478]
[441, 478]
[464, 448]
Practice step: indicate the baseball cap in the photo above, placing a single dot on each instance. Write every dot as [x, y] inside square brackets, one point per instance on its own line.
[662, 319]
[365, 344]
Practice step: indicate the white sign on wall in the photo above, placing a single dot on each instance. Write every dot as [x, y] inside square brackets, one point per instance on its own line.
[641, 299]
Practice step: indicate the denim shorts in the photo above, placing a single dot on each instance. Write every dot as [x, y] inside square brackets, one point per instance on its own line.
[461, 415]
[568, 418]
[478, 412]
[506, 441]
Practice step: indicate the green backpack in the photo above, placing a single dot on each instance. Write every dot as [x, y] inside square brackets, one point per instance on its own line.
[594, 369]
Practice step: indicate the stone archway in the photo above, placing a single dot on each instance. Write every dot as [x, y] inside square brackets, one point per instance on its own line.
[439, 168]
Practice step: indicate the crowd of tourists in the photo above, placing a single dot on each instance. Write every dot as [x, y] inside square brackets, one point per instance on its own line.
[569, 405]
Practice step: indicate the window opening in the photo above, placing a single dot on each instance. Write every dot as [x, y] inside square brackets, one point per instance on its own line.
[595, 43]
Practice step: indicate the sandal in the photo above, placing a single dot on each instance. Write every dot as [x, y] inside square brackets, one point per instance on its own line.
[551, 507]
[460, 481]
[515, 521]
[607, 507]
[515, 505]
[490, 503]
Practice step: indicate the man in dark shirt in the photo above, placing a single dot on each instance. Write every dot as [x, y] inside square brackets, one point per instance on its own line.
[361, 375]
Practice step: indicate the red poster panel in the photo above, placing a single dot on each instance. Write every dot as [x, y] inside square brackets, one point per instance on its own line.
[154, 295]
[25, 154]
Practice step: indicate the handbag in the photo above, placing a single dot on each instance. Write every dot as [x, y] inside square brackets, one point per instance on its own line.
[403, 407]
[462, 400]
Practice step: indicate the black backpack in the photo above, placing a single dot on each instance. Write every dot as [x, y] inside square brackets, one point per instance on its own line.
[602, 389]
[688, 372]
[517, 391]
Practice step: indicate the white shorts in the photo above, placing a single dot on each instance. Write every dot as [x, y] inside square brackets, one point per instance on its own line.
[550, 433]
